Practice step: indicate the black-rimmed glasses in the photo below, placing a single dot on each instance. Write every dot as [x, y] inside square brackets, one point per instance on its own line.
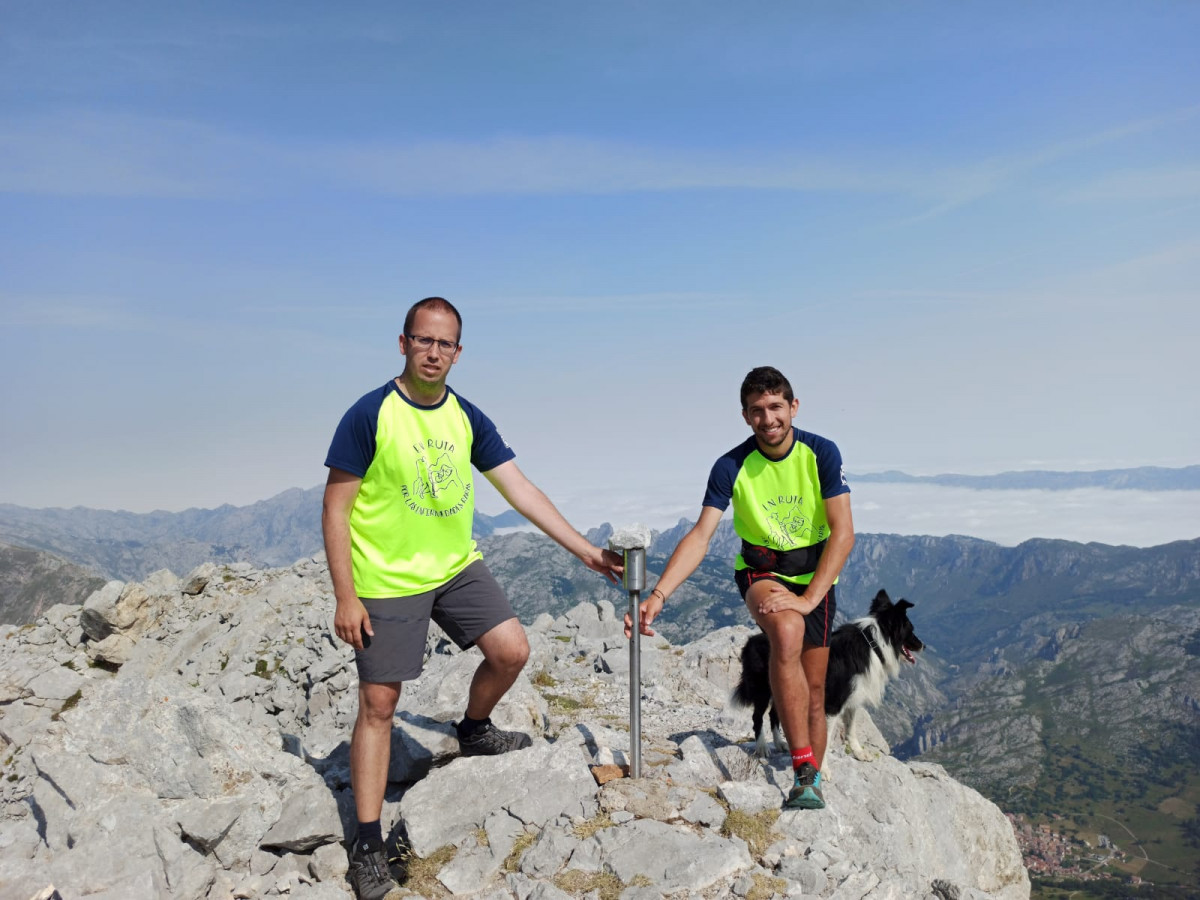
[426, 342]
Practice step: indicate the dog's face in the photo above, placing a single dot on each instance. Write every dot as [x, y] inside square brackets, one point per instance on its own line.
[897, 629]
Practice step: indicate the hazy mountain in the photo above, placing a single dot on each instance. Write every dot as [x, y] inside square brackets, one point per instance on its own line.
[281, 529]
[1059, 678]
[1143, 478]
[129, 546]
[31, 581]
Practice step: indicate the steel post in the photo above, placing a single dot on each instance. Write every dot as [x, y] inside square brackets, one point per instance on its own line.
[635, 583]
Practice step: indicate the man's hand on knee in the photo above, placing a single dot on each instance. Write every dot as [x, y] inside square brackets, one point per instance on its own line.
[776, 598]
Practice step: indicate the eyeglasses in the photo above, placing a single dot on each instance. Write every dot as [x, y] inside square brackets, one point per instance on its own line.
[426, 342]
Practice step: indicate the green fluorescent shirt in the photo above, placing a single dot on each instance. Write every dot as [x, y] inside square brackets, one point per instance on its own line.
[779, 503]
[410, 527]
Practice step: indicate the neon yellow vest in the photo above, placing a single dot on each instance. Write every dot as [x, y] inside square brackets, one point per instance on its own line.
[410, 527]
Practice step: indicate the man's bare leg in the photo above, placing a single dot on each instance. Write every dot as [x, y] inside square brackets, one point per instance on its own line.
[814, 661]
[371, 747]
[505, 651]
[789, 689]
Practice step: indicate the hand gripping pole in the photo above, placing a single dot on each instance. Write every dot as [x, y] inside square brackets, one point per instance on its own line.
[632, 543]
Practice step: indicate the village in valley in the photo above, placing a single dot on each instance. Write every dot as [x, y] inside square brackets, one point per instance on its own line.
[1063, 853]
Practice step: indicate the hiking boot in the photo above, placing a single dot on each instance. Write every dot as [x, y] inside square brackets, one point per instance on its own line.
[370, 876]
[488, 740]
[806, 792]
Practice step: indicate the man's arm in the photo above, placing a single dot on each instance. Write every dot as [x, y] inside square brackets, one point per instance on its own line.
[351, 619]
[837, 548]
[527, 499]
[689, 553]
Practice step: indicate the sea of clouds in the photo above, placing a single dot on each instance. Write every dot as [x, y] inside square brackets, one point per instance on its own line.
[1135, 518]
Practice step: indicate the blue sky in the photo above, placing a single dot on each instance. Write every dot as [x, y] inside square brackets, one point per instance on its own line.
[969, 233]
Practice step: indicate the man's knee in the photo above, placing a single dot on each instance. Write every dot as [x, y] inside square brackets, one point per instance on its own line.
[786, 638]
[377, 703]
[514, 655]
[506, 646]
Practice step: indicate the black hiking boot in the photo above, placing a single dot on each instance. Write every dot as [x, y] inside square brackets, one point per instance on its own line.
[488, 740]
[370, 875]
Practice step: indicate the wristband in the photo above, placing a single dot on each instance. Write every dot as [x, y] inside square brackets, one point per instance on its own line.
[660, 593]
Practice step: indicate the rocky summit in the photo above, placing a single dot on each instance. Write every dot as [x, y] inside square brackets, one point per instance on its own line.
[188, 738]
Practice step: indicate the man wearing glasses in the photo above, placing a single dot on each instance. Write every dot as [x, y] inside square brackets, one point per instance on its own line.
[397, 515]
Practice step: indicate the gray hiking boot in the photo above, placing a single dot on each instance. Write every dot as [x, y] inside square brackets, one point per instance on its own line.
[370, 876]
[491, 741]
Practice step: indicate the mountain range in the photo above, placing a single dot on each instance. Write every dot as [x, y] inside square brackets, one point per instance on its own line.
[1060, 679]
[281, 529]
[1143, 478]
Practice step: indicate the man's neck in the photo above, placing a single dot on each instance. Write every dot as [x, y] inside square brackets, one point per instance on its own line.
[419, 392]
[778, 452]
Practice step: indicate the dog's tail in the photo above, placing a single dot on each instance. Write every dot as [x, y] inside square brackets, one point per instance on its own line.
[741, 696]
[744, 694]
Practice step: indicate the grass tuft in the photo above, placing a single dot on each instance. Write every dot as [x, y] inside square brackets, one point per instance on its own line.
[420, 873]
[606, 885]
[599, 822]
[766, 887]
[512, 862]
[754, 829]
[68, 704]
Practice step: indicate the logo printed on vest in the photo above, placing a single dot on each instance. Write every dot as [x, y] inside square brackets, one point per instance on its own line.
[438, 489]
[788, 525]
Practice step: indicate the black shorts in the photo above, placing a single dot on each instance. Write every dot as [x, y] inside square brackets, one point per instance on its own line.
[818, 624]
[466, 607]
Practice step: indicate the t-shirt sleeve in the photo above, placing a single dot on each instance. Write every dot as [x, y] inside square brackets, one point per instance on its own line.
[720, 483]
[830, 469]
[353, 445]
[488, 447]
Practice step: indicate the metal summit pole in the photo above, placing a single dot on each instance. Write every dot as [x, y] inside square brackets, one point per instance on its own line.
[632, 543]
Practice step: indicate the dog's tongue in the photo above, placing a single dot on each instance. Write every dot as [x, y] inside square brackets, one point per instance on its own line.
[908, 655]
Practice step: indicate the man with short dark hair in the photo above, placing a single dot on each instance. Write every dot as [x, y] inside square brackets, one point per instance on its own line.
[791, 508]
[397, 515]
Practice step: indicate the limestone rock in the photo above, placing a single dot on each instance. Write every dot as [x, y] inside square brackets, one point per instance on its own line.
[207, 757]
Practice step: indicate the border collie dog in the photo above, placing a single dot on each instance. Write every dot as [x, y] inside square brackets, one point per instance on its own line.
[863, 656]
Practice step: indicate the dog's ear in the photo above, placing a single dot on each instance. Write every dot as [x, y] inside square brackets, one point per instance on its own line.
[881, 602]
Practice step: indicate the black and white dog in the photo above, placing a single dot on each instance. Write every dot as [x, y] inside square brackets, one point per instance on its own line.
[863, 656]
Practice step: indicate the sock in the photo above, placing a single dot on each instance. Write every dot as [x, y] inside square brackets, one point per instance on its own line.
[802, 756]
[469, 726]
[369, 837]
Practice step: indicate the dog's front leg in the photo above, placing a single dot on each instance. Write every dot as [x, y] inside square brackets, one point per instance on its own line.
[760, 732]
[779, 742]
[856, 749]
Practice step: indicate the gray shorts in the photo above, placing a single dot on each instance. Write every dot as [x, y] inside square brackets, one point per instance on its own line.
[466, 607]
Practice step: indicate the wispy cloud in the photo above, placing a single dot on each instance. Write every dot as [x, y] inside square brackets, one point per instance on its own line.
[1173, 183]
[88, 154]
[98, 154]
[968, 184]
[72, 312]
[553, 165]
[1166, 257]
[126, 155]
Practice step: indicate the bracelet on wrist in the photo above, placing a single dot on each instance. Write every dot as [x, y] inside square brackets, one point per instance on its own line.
[660, 593]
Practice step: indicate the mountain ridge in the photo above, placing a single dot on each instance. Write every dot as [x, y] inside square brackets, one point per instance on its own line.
[1140, 478]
